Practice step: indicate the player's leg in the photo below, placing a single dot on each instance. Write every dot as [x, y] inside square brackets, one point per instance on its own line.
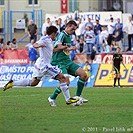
[56, 74]
[11, 83]
[81, 82]
[64, 87]
[118, 77]
[115, 78]
[75, 70]
[57, 91]
[25, 82]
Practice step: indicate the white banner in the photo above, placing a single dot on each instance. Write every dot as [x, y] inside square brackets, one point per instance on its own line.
[103, 17]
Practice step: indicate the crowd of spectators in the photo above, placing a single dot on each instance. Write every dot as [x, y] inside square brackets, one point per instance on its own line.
[89, 35]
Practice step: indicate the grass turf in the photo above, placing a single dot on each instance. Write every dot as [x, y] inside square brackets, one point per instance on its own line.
[26, 110]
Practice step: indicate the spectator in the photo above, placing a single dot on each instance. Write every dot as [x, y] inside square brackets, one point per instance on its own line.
[7, 45]
[33, 54]
[32, 30]
[113, 47]
[103, 36]
[64, 25]
[30, 45]
[93, 54]
[130, 33]
[89, 34]
[106, 48]
[14, 45]
[60, 24]
[118, 36]
[1, 53]
[87, 69]
[45, 26]
[2, 43]
[56, 24]
[73, 43]
[81, 47]
[89, 23]
[97, 30]
[111, 28]
[80, 30]
[119, 23]
[1, 48]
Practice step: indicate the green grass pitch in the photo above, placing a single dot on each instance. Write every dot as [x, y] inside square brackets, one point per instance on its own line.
[26, 110]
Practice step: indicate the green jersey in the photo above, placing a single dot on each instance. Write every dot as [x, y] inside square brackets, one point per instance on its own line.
[63, 55]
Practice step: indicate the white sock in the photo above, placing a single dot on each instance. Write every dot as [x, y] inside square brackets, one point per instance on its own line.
[24, 82]
[65, 91]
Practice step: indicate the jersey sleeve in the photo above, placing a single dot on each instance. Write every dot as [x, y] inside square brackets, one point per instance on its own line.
[41, 41]
[121, 58]
[59, 39]
[113, 57]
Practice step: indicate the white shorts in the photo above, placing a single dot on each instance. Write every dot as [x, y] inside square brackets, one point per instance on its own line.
[44, 69]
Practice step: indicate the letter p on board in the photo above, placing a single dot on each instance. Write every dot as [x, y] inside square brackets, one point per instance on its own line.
[103, 73]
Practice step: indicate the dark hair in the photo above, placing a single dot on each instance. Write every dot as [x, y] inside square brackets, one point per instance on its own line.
[71, 22]
[51, 29]
[119, 48]
[111, 18]
[8, 42]
[87, 61]
[14, 39]
[1, 40]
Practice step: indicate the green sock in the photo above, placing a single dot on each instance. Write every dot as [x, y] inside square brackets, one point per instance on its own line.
[80, 86]
[56, 93]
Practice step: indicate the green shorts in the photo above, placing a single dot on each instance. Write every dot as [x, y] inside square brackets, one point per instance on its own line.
[67, 67]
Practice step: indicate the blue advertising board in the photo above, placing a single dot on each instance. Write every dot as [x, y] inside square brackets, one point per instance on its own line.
[15, 72]
[20, 72]
[73, 80]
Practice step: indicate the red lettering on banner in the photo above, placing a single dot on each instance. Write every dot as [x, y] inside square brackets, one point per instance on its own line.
[107, 59]
[64, 6]
[127, 58]
[103, 58]
[15, 57]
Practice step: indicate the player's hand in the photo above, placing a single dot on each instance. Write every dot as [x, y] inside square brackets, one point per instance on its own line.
[73, 47]
[63, 47]
[112, 70]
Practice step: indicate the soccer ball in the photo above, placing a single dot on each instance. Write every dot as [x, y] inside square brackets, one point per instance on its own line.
[78, 103]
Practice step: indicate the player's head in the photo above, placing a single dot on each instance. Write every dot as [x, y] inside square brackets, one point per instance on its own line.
[87, 62]
[118, 50]
[71, 26]
[52, 31]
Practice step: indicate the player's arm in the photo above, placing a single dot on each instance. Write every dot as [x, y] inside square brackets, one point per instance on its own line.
[113, 63]
[58, 44]
[36, 45]
[112, 66]
[123, 62]
[59, 48]
[71, 48]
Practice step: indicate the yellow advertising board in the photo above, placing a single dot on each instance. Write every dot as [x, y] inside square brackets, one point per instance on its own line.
[105, 77]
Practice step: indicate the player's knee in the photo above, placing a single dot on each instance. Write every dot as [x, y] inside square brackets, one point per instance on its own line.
[65, 80]
[83, 76]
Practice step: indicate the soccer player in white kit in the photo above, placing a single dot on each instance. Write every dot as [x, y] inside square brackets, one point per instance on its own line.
[43, 67]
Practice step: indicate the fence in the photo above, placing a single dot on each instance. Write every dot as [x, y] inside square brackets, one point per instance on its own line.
[9, 23]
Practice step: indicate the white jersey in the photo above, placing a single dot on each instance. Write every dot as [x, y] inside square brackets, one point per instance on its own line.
[42, 65]
[47, 51]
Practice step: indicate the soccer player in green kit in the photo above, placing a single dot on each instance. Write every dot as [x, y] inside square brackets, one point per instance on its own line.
[61, 58]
